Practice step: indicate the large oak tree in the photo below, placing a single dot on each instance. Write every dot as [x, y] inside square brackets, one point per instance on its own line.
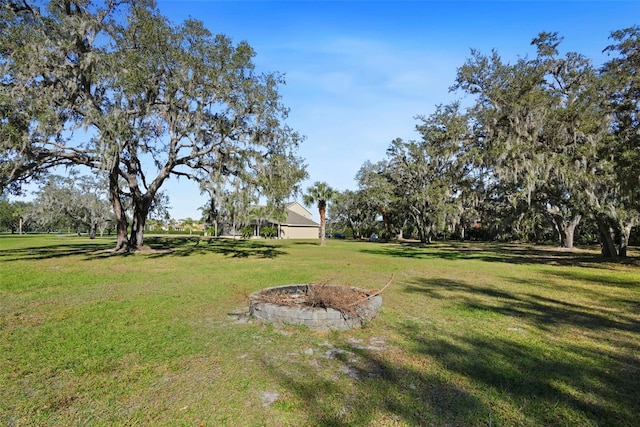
[540, 122]
[115, 87]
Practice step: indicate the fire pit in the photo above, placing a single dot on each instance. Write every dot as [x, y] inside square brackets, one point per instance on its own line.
[317, 306]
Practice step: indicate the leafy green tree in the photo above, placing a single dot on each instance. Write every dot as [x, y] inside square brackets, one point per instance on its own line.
[269, 231]
[417, 187]
[82, 200]
[621, 212]
[137, 97]
[276, 181]
[235, 205]
[377, 192]
[445, 139]
[622, 75]
[259, 214]
[47, 210]
[426, 176]
[14, 215]
[6, 213]
[540, 120]
[214, 189]
[320, 193]
[509, 114]
[575, 123]
[352, 210]
[188, 224]
[247, 231]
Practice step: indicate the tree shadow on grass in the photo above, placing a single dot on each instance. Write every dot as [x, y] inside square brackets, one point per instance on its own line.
[156, 247]
[543, 312]
[554, 384]
[361, 387]
[495, 252]
[591, 379]
[524, 376]
[307, 243]
[56, 251]
[600, 280]
[170, 246]
[439, 287]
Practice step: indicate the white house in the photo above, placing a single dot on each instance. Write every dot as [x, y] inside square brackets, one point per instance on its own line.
[297, 224]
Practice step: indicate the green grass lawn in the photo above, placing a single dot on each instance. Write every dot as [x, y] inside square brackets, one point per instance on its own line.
[470, 334]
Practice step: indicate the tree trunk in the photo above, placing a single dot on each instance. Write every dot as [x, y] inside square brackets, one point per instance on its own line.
[425, 233]
[607, 235]
[92, 231]
[462, 231]
[425, 229]
[136, 240]
[385, 223]
[322, 210]
[354, 231]
[568, 230]
[141, 205]
[122, 243]
[421, 234]
[625, 233]
[564, 227]
[624, 244]
[140, 212]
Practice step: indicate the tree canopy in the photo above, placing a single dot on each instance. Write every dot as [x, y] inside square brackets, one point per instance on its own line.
[115, 87]
[550, 138]
[550, 144]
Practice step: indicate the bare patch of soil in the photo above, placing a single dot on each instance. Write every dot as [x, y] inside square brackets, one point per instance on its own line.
[149, 250]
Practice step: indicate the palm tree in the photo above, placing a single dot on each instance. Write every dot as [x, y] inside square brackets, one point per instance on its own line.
[320, 193]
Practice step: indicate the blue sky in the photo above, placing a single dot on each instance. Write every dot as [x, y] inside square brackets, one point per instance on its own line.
[358, 72]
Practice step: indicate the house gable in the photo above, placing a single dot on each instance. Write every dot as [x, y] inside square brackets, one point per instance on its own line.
[296, 220]
[298, 209]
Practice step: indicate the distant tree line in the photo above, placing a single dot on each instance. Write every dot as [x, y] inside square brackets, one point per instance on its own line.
[72, 203]
[548, 151]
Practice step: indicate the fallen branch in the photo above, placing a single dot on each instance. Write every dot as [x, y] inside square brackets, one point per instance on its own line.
[373, 294]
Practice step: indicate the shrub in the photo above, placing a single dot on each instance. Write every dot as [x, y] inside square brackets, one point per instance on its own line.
[268, 231]
[246, 232]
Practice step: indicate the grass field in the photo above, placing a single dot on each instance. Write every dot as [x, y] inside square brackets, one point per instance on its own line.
[470, 334]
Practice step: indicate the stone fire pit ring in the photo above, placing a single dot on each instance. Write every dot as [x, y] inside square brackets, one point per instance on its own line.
[318, 318]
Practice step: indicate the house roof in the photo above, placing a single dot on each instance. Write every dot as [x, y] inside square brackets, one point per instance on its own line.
[295, 219]
[298, 220]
